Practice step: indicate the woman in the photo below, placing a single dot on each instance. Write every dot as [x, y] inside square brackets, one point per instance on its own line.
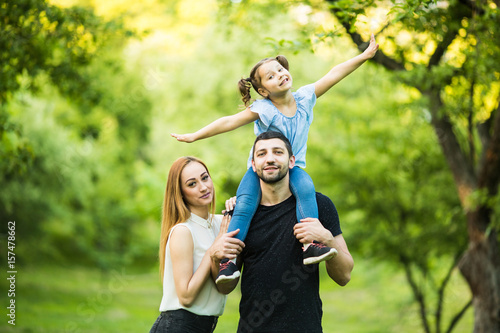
[192, 243]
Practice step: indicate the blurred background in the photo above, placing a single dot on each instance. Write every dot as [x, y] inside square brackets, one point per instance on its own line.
[91, 90]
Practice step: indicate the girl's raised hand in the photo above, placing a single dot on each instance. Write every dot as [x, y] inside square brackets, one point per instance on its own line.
[184, 137]
[371, 50]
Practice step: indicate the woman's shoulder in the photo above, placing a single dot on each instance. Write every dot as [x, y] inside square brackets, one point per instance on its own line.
[180, 236]
[182, 229]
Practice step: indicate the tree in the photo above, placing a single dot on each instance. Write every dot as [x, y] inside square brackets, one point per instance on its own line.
[450, 59]
[395, 192]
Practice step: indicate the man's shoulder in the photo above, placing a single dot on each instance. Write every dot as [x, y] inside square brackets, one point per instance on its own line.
[321, 198]
[328, 214]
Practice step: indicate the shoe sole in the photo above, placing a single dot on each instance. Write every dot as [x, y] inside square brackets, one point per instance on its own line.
[226, 279]
[327, 256]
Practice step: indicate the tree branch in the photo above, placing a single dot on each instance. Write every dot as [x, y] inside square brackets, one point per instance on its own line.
[457, 317]
[461, 168]
[441, 48]
[419, 296]
[380, 58]
[441, 289]
[483, 129]
[472, 6]
[489, 176]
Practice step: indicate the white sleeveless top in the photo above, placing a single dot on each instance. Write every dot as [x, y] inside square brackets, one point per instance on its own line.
[209, 301]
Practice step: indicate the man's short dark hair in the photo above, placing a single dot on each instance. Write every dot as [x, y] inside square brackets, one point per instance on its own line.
[273, 135]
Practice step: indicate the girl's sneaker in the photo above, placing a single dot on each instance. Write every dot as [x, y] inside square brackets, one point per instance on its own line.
[228, 271]
[318, 252]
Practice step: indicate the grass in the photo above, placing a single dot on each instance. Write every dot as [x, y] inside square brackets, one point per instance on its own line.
[80, 300]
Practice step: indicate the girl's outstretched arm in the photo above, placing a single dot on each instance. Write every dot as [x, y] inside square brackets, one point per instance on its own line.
[221, 125]
[340, 71]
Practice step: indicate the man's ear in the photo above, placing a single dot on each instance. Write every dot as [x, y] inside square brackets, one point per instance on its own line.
[253, 166]
[291, 162]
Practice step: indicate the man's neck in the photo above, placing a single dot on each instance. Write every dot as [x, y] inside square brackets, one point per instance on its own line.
[275, 193]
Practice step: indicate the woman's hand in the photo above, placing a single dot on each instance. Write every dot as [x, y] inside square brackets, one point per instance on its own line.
[226, 245]
[230, 204]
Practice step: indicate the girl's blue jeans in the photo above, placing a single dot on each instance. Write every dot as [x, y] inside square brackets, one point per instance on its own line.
[248, 199]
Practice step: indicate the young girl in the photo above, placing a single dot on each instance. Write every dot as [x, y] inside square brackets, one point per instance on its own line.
[291, 114]
[192, 242]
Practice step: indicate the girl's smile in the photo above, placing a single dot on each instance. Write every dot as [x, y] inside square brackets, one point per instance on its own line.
[274, 78]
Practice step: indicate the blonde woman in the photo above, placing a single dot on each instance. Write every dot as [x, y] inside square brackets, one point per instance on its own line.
[192, 243]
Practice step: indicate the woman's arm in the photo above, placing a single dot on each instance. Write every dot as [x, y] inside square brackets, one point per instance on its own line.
[221, 125]
[340, 71]
[187, 283]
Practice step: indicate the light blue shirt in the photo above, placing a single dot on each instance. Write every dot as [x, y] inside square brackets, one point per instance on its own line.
[295, 128]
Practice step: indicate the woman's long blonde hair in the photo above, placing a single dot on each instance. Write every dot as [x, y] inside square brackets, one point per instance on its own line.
[175, 209]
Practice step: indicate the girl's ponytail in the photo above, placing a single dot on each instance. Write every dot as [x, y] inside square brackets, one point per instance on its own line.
[245, 85]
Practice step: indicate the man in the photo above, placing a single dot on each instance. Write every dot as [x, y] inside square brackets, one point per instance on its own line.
[279, 293]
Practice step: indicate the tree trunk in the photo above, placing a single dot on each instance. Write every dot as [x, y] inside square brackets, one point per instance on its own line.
[480, 267]
[480, 264]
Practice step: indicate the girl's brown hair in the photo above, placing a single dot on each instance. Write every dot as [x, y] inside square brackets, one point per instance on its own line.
[254, 80]
[175, 210]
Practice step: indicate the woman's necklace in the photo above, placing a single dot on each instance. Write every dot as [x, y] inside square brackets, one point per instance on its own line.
[209, 221]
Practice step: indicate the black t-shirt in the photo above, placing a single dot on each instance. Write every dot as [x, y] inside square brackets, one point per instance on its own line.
[279, 293]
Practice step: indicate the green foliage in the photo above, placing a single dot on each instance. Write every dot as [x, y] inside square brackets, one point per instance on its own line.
[38, 37]
[68, 176]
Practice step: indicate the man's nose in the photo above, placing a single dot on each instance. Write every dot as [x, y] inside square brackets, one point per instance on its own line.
[270, 159]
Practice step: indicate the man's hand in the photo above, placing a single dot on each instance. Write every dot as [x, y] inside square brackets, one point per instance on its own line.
[311, 229]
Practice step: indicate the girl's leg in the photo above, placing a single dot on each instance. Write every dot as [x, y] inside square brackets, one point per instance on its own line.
[247, 202]
[303, 189]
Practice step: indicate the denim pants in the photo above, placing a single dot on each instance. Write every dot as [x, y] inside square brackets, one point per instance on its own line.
[182, 321]
[248, 199]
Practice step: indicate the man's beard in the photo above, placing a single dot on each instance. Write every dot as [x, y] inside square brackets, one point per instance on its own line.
[271, 179]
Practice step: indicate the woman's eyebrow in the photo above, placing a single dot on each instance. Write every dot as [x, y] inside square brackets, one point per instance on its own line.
[188, 180]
